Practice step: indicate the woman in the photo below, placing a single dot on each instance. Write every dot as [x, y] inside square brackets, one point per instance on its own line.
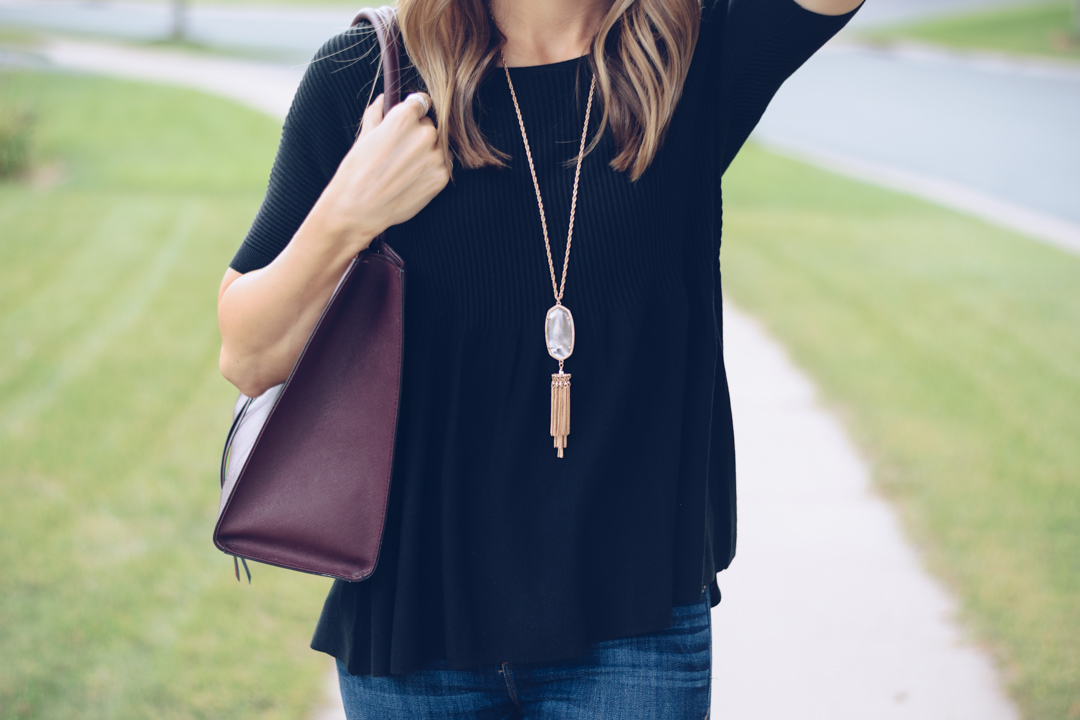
[528, 570]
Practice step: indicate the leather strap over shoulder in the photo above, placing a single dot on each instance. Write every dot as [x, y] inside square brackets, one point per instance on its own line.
[384, 20]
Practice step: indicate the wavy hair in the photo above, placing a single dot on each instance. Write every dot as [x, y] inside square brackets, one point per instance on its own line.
[639, 56]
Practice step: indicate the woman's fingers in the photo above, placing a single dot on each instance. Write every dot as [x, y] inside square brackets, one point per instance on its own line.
[407, 113]
[415, 104]
[371, 118]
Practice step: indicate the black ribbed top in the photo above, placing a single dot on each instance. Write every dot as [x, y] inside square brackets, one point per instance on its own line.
[494, 548]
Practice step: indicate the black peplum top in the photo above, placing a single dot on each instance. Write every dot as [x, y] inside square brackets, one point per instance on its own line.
[494, 548]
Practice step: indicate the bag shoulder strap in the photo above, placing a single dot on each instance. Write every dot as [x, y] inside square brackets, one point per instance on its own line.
[384, 20]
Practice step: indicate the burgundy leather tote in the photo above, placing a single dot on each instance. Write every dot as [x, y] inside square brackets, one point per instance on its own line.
[305, 473]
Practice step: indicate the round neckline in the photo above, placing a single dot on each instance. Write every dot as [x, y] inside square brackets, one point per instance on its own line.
[561, 65]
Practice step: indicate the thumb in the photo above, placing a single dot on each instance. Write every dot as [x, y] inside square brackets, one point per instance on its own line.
[373, 116]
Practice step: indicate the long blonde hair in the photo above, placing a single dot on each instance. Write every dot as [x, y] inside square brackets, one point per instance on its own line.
[640, 57]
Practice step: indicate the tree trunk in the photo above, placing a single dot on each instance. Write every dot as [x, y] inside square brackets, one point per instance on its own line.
[179, 9]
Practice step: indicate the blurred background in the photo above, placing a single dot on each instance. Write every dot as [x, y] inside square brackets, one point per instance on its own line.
[902, 266]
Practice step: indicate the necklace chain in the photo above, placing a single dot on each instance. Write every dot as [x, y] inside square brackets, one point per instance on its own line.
[558, 290]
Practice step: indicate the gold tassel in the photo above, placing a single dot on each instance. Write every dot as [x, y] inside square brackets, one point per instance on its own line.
[560, 409]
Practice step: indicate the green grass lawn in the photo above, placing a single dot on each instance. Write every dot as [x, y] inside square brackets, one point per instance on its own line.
[951, 350]
[114, 603]
[1045, 29]
[17, 37]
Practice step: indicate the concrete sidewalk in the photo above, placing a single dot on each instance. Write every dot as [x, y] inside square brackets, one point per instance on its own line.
[827, 612]
[262, 86]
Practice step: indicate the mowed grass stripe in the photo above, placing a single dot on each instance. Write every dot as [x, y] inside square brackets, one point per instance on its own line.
[951, 350]
[116, 605]
[88, 342]
[61, 287]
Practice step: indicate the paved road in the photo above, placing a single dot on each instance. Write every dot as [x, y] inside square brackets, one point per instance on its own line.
[281, 34]
[1011, 132]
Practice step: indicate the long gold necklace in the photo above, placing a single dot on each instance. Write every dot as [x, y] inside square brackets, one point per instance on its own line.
[558, 323]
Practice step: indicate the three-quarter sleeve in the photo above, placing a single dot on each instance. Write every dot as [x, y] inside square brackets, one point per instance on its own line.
[761, 43]
[318, 132]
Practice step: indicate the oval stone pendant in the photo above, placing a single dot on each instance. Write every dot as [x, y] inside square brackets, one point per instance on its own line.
[559, 332]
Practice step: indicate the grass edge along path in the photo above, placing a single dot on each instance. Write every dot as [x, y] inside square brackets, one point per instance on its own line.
[949, 350]
[116, 605]
[1037, 30]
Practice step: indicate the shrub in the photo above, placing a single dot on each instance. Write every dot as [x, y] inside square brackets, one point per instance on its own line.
[16, 125]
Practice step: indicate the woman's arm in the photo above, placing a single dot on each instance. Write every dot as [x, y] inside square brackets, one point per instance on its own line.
[758, 44]
[830, 7]
[391, 172]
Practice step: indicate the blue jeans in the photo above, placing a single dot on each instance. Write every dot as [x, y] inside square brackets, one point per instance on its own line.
[661, 676]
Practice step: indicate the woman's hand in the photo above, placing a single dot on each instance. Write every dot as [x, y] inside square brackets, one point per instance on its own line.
[394, 168]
